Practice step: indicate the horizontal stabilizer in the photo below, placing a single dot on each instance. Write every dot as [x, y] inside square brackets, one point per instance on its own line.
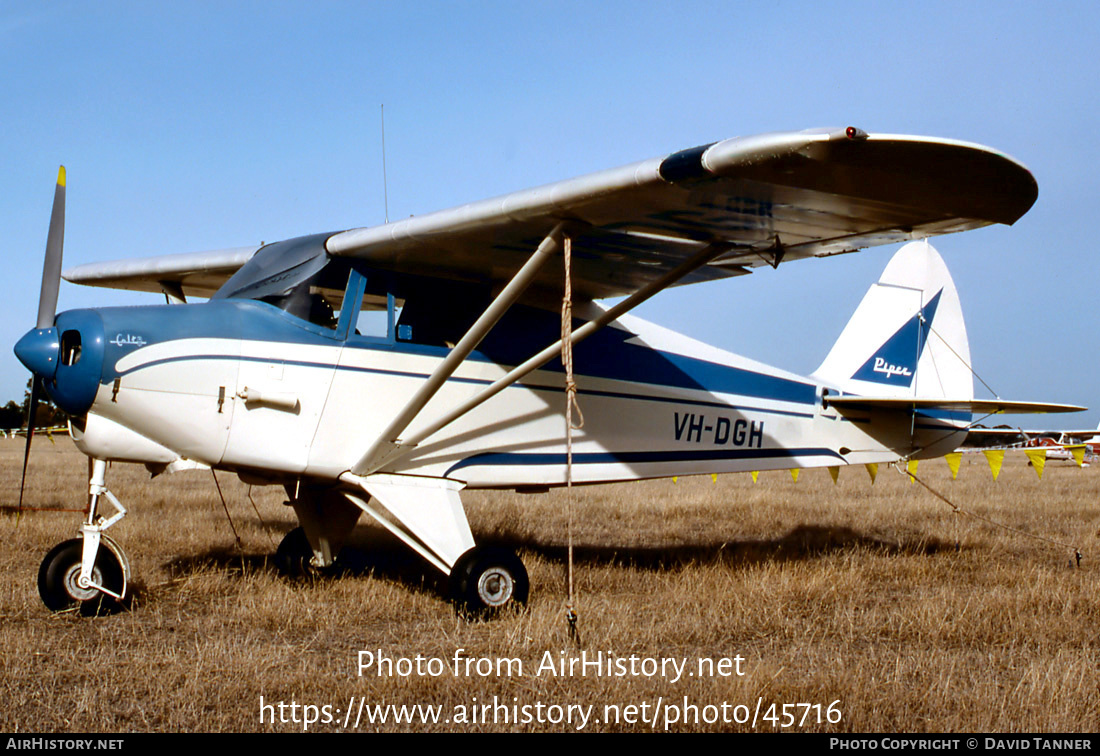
[975, 406]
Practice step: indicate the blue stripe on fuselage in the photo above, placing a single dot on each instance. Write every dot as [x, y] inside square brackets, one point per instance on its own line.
[606, 354]
[486, 382]
[634, 457]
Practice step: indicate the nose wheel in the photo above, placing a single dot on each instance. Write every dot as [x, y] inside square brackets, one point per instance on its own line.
[90, 572]
[61, 587]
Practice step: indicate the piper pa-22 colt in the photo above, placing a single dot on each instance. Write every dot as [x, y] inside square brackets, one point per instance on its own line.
[386, 369]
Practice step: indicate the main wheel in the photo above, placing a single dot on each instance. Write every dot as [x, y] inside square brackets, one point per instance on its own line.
[487, 580]
[294, 557]
[58, 579]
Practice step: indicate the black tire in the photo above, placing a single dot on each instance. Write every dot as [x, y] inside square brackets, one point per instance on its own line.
[294, 557]
[58, 574]
[485, 581]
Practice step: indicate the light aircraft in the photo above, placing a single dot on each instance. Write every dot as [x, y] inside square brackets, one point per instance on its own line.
[1054, 450]
[1091, 441]
[386, 369]
[1058, 443]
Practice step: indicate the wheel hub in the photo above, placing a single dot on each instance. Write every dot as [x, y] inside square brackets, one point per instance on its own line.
[495, 586]
[72, 583]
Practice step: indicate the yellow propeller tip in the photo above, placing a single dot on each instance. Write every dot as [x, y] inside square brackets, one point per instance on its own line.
[61, 176]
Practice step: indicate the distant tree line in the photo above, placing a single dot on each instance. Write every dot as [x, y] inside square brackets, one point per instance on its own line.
[11, 416]
[14, 415]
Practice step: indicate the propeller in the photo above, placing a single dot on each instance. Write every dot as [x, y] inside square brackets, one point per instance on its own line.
[51, 268]
[47, 307]
[32, 409]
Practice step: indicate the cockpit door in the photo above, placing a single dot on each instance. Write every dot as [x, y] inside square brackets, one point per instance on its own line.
[283, 382]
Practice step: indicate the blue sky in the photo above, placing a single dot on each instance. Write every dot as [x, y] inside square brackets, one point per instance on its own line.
[187, 126]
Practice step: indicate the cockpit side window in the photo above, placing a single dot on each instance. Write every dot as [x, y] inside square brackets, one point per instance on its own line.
[377, 315]
[426, 322]
[417, 310]
[438, 313]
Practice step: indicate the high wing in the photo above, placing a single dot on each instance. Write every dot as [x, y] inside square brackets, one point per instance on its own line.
[196, 274]
[771, 198]
[765, 199]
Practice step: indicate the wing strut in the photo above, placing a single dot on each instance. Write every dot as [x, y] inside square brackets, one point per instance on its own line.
[389, 439]
[373, 462]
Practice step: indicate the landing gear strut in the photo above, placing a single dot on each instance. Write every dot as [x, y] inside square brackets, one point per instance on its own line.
[91, 571]
[427, 515]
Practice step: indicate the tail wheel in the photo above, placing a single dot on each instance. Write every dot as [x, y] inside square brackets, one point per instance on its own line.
[59, 579]
[487, 580]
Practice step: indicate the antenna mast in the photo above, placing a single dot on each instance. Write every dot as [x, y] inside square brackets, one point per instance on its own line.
[385, 192]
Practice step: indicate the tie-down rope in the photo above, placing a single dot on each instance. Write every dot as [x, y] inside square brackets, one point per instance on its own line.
[570, 405]
[958, 510]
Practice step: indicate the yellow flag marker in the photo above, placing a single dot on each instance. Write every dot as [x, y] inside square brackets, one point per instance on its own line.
[996, 457]
[794, 474]
[674, 479]
[954, 459]
[714, 477]
[1078, 452]
[872, 470]
[911, 468]
[835, 472]
[1038, 459]
[755, 474]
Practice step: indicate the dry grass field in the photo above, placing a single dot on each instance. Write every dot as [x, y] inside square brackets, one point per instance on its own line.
[851, 593]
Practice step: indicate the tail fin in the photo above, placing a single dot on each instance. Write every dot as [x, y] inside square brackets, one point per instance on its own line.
[907, 339]
[1096, 438]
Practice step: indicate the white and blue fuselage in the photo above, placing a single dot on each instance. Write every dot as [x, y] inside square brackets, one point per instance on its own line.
[243, 385]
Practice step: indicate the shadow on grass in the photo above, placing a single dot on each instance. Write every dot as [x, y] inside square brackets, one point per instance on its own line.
[378, 554]
[370, 552]
[804, 542]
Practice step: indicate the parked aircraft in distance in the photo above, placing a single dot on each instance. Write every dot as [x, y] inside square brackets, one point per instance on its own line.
[385, 370]
[52, 430]
[1058, 443]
